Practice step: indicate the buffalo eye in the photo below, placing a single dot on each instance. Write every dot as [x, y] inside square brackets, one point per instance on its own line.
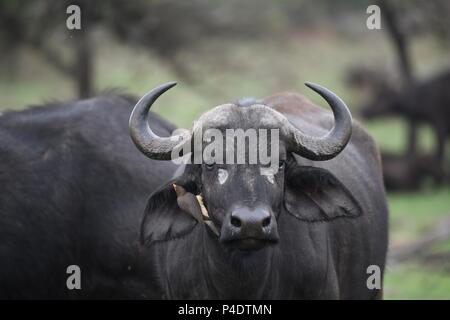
[281, 164]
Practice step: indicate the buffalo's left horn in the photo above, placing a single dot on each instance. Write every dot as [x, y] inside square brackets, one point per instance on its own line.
[330, 145]
[152, 145]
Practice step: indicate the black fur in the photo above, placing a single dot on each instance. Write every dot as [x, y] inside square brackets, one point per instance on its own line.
[72, 191]
[332, 225]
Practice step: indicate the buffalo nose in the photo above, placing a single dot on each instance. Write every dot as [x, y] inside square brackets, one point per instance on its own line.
[248, 220]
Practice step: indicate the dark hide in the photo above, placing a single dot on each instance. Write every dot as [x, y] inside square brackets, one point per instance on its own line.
[72, 191]
[168, 221]
[332, 226]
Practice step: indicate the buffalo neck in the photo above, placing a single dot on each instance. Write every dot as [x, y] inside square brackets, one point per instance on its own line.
[231, 273]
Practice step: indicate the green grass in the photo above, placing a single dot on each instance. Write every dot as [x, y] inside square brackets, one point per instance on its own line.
[416, 282]
[413, 214]
[442, 247]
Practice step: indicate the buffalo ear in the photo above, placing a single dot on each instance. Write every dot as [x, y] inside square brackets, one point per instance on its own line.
[163, 219]
[315, 194]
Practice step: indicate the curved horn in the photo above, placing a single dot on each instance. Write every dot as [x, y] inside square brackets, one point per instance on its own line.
[150, 144]
[330, 145]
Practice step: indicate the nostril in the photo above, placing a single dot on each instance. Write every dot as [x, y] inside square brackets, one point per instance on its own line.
[266, 222]
[236, 222]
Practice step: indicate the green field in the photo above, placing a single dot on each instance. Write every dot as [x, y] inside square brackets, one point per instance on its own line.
[413, 215]
[260, 69]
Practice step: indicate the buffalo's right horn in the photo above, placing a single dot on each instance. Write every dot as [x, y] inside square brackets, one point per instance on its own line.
[152, 145]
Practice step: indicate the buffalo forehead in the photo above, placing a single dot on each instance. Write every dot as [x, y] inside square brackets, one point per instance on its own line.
[230, 116]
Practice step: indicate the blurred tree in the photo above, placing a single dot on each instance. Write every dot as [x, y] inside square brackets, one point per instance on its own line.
[400, 41]
[398, 37]
[165, 28]
[41, 25]
[408, 19]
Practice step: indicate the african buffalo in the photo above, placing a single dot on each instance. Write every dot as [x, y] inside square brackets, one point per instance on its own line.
[313, 229]
[401, 172]
[72, 191]
[423, 102]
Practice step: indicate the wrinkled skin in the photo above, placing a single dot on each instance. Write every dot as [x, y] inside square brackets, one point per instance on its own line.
[330, 218]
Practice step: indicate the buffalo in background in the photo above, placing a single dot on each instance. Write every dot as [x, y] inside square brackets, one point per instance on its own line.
[422, 102]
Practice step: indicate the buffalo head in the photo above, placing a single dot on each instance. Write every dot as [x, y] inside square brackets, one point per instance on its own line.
[240, 201]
